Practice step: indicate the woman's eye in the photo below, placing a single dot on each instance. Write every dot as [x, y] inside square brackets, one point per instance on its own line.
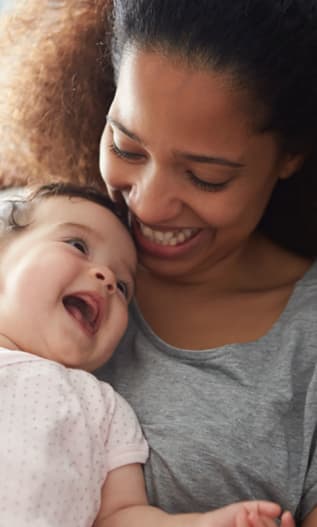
[123, 288]
[124, 154]
[80, 245]
[206, 185]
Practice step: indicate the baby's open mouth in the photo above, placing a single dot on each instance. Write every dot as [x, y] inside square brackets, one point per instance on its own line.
[85, 309]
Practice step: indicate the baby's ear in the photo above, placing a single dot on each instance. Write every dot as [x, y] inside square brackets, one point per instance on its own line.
[6, 212]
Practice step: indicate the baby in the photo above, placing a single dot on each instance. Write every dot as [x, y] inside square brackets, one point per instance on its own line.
[71, 448]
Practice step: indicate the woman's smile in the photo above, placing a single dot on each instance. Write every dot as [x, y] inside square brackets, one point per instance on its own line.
[168, 243]
[170, 237]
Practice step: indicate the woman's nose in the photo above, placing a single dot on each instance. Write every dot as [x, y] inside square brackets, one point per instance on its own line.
[106, 276]
[153, 197]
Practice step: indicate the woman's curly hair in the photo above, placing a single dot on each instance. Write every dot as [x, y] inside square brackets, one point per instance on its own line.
[55, 89]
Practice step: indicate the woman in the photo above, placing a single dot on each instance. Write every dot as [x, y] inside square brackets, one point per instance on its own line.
[210, 142]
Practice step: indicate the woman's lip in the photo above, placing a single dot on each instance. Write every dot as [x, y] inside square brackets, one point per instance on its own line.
[160, 228]
[164, 251]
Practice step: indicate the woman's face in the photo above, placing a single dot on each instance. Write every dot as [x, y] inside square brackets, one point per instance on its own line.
[180, 146]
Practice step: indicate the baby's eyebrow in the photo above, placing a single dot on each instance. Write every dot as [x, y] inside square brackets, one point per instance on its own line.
[80, 227]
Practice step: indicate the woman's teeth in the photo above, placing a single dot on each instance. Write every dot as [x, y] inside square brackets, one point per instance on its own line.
[167, 237]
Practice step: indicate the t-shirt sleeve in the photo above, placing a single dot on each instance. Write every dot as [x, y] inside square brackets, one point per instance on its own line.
[125, 443]
[309, 491]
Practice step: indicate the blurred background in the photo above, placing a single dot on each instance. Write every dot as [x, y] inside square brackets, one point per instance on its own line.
[5, 4]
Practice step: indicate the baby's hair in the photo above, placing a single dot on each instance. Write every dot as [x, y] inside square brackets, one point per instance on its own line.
[15, 213]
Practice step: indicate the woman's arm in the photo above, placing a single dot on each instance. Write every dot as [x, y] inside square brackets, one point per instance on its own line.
[311, 519]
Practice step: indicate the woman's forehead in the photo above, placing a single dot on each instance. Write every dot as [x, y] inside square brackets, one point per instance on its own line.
[174, 106]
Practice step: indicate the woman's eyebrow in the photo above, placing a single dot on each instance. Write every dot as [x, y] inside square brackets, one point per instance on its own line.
[213, 160]
[123, 129]
[197, 158]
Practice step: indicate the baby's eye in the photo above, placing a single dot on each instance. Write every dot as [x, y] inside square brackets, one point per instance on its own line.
[123, 288]
[78, 244]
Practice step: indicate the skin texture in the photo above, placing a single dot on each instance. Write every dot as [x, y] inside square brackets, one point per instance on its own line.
[73, 253]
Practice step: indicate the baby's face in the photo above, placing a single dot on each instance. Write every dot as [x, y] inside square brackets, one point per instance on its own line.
[65, 283]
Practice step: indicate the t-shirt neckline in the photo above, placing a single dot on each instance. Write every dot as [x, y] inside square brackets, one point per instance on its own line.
[269, 335]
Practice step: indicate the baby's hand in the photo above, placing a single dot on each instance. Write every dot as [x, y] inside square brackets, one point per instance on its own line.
[245, 514]
[287, 520]
[254, 519]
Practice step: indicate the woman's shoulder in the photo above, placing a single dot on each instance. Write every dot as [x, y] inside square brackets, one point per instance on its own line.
[269, 266]
[296, 278]
[303, 301]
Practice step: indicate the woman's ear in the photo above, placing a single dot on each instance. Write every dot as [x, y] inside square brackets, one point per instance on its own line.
[291, 164]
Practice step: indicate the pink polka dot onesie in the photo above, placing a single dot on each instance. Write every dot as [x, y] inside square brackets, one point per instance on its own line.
[61, 432]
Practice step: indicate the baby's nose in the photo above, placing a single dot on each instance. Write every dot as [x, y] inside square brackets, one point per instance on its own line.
[105, 275]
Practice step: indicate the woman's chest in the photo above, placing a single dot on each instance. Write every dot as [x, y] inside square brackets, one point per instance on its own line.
[212, 321]
[219, 430]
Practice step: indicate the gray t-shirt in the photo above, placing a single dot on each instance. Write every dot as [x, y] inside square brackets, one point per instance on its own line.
[231, 423]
